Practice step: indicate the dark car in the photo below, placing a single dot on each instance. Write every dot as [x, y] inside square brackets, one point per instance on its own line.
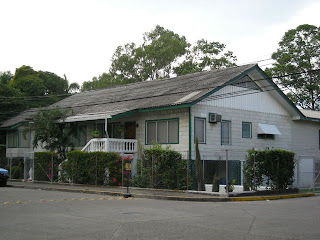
[3, 177]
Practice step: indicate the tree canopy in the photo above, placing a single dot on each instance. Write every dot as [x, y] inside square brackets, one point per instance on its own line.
[162, 54]
[28, 88]
[298, 61]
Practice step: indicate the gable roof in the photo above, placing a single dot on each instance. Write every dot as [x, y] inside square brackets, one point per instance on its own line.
[178, 91]
[111, 102]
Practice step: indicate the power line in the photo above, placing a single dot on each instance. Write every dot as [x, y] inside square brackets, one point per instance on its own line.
[221, 96]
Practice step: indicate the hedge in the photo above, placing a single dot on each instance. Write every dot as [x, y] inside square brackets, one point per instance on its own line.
[161, 168]
[90, 168]
[45, 166]
[276, 167]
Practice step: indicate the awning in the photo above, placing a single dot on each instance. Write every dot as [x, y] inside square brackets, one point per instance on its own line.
[268, 129]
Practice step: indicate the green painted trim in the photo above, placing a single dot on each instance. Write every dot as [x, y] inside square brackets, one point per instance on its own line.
[205, 130]
[164, 108]
[160, 120]
[13, 126]
[149, 110]
[225, 84]
[250, 130]
[123, 114]
[221, 133]
[190, 136]
[280, 92]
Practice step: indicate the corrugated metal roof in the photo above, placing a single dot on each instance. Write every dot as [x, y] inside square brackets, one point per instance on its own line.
[143, 95]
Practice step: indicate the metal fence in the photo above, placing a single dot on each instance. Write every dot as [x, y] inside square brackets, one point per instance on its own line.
[307, 175]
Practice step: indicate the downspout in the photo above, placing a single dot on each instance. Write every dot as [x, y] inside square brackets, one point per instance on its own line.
[190, 138]
[106, 127]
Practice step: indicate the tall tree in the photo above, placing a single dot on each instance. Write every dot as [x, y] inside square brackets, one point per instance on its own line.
[163, 54]
[206, 56]
[298, 62]
[152, 60]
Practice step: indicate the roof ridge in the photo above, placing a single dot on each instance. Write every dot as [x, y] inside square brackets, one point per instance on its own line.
[167, 79]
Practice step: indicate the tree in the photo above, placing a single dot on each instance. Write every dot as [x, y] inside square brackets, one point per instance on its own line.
[297, 62]
[163, 54]
[5, 77]
[103, 81]
[206, 56]
[152, 60]
[50, 133]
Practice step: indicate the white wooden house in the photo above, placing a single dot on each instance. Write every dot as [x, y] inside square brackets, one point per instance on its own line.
[254, 112]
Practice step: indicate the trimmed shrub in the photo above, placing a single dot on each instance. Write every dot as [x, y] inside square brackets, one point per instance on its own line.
[90, 168]
[161, 168]
[43, 163]
[274, 166]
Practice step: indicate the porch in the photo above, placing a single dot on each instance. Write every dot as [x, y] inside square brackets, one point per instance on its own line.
[111, 145]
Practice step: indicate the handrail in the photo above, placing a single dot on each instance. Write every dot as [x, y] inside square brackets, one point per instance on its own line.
[111, 145]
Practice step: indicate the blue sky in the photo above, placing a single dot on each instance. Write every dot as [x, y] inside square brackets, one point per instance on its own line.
[78, 37]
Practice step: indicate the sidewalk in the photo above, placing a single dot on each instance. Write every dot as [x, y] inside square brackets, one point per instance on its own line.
[177, 195]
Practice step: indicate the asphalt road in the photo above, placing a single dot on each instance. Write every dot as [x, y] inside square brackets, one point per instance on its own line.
[36, 214]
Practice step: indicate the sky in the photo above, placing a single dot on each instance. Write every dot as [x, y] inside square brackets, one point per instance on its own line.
[78, 37]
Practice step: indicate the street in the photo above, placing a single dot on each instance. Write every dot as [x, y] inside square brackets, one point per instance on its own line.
[37, 214]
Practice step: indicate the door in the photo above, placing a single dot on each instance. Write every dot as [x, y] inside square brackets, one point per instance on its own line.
[130, 130]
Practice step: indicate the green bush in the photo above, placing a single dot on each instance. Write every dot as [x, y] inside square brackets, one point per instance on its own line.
[161, 168]
[274, 166]
[89, 168]
[16, 172]
[43, 163]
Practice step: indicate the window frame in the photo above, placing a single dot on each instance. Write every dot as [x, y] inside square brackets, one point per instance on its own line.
[204, 130]
[167, 128]
[230, 130]
[250, 123]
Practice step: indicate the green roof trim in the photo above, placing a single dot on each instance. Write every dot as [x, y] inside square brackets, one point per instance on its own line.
[225, 84]
[280, 92]
[13, 126]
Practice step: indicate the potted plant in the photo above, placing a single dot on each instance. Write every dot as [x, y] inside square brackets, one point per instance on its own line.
[95, 133]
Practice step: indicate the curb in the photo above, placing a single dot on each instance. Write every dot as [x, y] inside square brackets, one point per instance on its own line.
[176, 198]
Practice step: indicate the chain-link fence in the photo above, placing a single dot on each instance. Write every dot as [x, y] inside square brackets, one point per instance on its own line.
[307, 177]
[20, 167]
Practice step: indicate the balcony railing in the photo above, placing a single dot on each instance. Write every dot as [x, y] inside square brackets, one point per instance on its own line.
[111, 145]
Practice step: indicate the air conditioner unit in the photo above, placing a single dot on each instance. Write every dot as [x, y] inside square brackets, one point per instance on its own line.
[214, 118]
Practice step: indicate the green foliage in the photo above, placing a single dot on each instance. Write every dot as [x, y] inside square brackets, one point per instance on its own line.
[152, 60]
[198, 166]
[162, 169]
[28, 88]
[103, 81]
[162, 55]
[205, 56]
[89, 168]
[45, 166]
[16, 172]
[52, 135]
[275, 166]
[299, 52]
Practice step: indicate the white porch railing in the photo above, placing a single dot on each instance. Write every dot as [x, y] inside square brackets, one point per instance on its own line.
[111, 145]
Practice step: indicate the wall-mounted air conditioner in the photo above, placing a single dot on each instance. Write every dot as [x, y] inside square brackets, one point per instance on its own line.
[214, 118]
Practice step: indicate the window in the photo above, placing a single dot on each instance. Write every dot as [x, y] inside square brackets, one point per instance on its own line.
[246, 130]
[18, 139]
[225, 132]
[79, 139]
[24, 139]
[115, 130]
[162, 131]
[13, 139]
[200, 129]
[265, 136]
